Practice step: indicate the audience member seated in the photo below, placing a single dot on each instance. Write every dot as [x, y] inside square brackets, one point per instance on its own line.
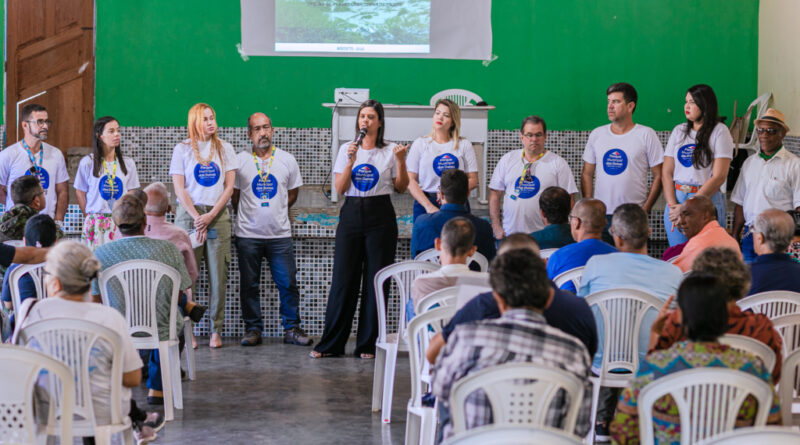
[453, 194]
[728, 267]
[71, 267]
[521, 334]
[794, 246]
[28, 194]
[698, 221]
[40, 231]
[587, 222]
[555, 205]
[158, 227]
[631, 268]
[128, 215]
[773, 268]
[566, 312]
[454, 246]
[701, 299]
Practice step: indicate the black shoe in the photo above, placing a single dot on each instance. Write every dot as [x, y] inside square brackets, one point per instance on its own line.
[197, 312]
[155, 400]
[296, 336]
[601, 433]
[252, 338]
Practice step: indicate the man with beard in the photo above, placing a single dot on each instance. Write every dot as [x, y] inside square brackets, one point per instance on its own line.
[31, 156]
[267, 183]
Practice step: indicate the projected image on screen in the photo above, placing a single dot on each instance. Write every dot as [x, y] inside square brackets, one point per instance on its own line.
[353, 26]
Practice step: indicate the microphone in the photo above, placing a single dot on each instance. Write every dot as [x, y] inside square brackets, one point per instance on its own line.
[359, 138]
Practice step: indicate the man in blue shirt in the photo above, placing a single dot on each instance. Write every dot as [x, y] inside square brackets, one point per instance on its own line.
[453, 193]
[773, 268]
[587, 221]
[555, 204]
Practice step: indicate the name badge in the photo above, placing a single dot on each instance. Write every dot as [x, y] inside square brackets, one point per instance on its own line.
[265, 204]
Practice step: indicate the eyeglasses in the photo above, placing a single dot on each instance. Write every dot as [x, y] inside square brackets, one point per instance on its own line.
[532, 135]
[41, 122]
[571, 217]
[769, 131]
[262, 127]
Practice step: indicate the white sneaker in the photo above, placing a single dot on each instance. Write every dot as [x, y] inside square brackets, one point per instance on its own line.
[144, 435]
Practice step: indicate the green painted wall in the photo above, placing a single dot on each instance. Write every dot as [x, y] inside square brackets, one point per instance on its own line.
[555, 59]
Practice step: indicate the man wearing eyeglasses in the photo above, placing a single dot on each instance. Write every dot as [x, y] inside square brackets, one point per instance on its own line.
[769, 178]
[31, 156]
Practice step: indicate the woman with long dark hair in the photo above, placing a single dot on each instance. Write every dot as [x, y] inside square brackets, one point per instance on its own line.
[103, 177]
[366, 171]
[696, 160]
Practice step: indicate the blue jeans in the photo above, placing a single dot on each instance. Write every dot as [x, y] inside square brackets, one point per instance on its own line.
[748, 252]
[280, 256]
[676, 236]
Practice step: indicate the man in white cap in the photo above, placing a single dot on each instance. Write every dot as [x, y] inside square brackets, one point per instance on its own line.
[769, 178]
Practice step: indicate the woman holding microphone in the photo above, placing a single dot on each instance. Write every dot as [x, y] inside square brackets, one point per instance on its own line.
[366, 171]
[203, 171]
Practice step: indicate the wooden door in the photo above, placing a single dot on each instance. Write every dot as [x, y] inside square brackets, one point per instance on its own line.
[50, 48]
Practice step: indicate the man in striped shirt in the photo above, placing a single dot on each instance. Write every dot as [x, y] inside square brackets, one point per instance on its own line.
[521, 334]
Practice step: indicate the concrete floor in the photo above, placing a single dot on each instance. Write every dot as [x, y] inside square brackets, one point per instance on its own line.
[276, 394]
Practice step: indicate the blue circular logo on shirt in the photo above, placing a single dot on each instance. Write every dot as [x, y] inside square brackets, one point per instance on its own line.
[44, 177]
[265, 189]
[444, 162]
[615, 161]
[365, 177]
[527, 189]
[206, 175]
[105, 188]
[685, 155]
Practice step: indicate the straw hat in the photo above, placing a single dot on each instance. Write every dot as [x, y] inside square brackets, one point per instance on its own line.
[774, 116]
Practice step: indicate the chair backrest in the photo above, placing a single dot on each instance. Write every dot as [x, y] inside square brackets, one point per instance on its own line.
[513, 435]
[789, 389]
[74, 342]
[761, 103]
[622, 311]
[789, 328]
[772, 435]
[21, 370]
[36, 272]
[138, 280]
[460, 97]
[751, 346]
[447, 296]
[708, 401]
[545, 253]
[14, 242]
[511, 384]
[673, 259]
[420, 331]
[432, 256]
[573, 275]
[403, 275]
[772, 304]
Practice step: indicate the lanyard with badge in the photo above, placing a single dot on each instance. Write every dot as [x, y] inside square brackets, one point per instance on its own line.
[112, 177]
[35, 168]
[527, 173]
[264, 176]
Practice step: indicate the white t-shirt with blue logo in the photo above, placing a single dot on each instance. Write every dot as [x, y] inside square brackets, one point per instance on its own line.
[622, 162]
[204, 183]
[680, 147]
[428, 159]
[372, 172]
[99, 198]
[521, 200]
[15, 162]
[264, 207]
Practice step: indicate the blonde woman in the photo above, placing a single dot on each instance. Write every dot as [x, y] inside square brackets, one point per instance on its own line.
[441, 150]
[203, 170]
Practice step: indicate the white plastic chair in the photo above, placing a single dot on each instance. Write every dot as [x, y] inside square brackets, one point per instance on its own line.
[573, 275]
[708, 400]
[443, 297]
[511, 384]
[139, 281]
[36, 272]
[512, 435]
[788, 390]
[761, 103]
[751, 346]
[14, 243]
[72, 342]
[546, 253]
[421, 420]
[622, 312]
[772, 304]
[21, 370]
[387, 345]
[459, 96]
[432, 256]
[772, 435]
[789, 328]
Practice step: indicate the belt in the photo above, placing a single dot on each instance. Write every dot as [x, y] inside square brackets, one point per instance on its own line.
[686, 188]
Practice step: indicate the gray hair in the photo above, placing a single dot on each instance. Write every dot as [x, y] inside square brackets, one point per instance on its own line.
[157, 198]
[74, 265]
[777, 227]
[630, 223]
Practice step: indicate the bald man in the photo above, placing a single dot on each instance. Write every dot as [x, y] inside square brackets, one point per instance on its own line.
[698, 221]
[773, 268]
[586, 222]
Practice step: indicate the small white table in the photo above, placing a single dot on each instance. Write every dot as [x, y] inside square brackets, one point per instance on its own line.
[408, 122]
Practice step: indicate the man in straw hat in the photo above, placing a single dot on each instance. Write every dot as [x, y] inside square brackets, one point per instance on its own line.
[769, 178]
